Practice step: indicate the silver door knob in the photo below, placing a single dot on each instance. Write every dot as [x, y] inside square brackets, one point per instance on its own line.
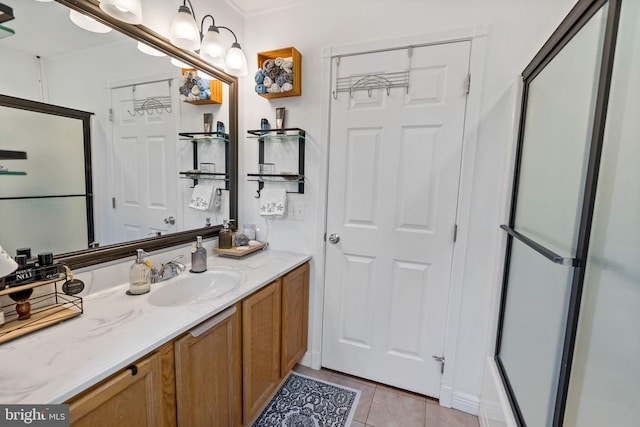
[171, 220]
[334, 238]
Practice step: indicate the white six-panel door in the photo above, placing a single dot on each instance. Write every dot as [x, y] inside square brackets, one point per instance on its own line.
[393, 187]
[143, 169]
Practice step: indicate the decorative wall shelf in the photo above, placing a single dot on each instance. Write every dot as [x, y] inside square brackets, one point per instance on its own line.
[215, 86]
[296, 69]
[273, 136]
[46, 309]
[211, 137]
[13, 155]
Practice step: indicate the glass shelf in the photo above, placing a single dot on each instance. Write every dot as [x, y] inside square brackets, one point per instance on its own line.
[275, 134]
[12, 173]
[204, 175]
[204, 136]
[5, 32]
[293, 178]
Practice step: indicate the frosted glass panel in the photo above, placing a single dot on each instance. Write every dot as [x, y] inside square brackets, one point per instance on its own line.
[55, 225]
[533, 331]
[605, 377]
[558, 125]
[55, 153]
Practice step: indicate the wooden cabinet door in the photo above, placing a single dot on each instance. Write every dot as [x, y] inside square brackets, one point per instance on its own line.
[260, 347]
[130, 398]
[208, 373]
[295, 312]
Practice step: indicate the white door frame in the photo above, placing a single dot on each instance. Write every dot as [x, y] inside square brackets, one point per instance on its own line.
[477, 37]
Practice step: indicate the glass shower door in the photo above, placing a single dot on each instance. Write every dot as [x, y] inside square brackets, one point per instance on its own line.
[605, 377]
[553, 156]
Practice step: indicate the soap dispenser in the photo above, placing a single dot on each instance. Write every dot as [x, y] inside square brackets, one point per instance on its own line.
[224, 238]
[139, 275]
[198, 257]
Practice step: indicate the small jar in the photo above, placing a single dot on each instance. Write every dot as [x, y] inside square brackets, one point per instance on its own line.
[220, 128]
[47, 269]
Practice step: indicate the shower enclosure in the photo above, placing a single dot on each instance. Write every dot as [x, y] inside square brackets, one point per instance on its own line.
[567, 347]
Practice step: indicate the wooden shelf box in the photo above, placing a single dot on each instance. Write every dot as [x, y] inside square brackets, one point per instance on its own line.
[296, 57]
[215, 86]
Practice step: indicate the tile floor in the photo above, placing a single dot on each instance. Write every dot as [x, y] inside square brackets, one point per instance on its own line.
[381, 406]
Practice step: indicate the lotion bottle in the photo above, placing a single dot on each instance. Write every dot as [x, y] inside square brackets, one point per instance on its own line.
[224, 238]
[139, 275]
[198, 257]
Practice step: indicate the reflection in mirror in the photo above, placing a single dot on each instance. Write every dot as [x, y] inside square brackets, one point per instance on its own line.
[45, 202]
[138, 114]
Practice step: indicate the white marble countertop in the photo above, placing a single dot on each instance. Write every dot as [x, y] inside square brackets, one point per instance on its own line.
[56, 363]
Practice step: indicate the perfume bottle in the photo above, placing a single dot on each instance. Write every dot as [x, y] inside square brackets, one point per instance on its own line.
[224, 238]
[139, 275]
[198, 257]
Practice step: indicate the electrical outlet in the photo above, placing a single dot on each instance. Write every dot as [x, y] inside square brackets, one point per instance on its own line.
[296, 210]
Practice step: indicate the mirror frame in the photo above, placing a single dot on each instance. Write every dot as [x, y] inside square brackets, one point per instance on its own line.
[89, 257]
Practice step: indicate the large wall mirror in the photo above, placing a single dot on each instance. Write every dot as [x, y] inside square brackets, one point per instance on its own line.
[138, 161]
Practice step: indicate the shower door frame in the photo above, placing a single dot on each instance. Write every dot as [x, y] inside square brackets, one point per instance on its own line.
[570, 26]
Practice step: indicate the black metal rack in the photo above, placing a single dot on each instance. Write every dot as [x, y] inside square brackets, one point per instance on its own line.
[195, 175]
[12, 155]
[279, 134]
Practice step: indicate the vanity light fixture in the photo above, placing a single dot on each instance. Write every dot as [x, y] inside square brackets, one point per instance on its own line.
[145, 48]
[185, 35]
[129, 11]
[87, 23]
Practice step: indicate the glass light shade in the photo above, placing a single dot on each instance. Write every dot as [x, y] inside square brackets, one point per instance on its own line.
[87, 23]
[129, 11]
[149, 50]
[236, 63]
[204, 75]
[184, 30]
[7, 264]
[179, 63]
[212, 50]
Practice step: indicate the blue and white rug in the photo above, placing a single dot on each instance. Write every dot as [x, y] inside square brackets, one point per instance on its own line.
[302, 401]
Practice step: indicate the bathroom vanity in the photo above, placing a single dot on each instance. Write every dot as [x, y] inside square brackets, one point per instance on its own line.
[135, 360]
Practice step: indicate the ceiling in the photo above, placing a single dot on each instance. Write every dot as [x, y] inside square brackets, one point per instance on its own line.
[55, 34]
[251, 7]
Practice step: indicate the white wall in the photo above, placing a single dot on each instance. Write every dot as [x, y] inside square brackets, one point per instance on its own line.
[516, 30]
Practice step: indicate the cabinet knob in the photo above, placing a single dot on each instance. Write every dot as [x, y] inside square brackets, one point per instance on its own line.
[133, 369]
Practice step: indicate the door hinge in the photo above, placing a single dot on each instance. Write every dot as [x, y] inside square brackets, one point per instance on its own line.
[325, 237]
[113, 202]
[441, 360]
[110, 114]
[467, 84]
[455, 232]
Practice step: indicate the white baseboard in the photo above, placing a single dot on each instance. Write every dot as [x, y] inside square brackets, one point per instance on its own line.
[306, 360]
[466, 403]
[495, 410]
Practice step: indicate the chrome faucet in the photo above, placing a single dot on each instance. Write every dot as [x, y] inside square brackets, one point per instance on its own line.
[169, 270]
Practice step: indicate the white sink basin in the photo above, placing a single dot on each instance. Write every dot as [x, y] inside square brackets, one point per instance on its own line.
[194, 288]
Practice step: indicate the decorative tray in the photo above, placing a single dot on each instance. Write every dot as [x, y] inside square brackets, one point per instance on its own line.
[235, 252]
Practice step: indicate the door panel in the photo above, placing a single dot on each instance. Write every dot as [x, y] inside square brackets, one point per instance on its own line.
[393, 184]
[144, 167]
